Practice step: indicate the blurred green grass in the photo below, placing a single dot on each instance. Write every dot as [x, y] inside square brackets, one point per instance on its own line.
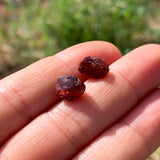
[31, 30]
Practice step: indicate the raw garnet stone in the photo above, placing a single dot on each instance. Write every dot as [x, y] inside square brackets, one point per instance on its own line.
[69, 87]
[94, 67]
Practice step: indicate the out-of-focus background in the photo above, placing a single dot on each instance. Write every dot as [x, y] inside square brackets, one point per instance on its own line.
[33, 29]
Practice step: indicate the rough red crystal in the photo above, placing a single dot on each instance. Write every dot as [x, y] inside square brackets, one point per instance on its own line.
[94, 67]
[69, 87]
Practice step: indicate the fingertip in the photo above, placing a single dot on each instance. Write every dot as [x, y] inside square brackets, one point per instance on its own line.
[101, 49]
[148, 49]
[141, 68]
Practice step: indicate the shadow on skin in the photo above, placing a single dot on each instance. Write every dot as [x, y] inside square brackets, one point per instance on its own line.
[90, 106]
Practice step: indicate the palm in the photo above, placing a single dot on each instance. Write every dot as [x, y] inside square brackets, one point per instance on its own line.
[116, 118]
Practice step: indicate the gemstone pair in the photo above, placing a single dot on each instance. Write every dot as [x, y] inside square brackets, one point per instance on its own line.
[70, 87]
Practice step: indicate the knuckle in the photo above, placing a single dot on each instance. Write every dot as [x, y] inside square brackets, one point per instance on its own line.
[13, 98]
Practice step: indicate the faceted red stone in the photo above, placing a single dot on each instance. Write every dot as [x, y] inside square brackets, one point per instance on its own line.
[94, 67]
[69, 87]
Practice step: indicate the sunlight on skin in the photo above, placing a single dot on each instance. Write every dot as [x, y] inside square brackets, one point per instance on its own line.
[69, 126]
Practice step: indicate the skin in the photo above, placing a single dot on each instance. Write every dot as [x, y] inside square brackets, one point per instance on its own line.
[118, 117]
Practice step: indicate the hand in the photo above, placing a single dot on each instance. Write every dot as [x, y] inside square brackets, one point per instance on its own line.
[118, 117]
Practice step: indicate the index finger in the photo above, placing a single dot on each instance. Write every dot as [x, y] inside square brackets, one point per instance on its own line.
[30, 91]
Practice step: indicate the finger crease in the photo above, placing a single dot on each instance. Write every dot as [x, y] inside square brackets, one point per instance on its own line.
[76, 122]
[24, 107]
[125, 123]
[67, 134]
[130, 83]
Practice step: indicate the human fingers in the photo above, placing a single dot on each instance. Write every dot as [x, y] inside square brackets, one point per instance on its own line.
[69, 126]
[134, 137]
[30, 91]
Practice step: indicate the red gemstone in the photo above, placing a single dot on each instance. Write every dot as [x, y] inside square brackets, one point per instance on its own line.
[69, 87]
[94, 67]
